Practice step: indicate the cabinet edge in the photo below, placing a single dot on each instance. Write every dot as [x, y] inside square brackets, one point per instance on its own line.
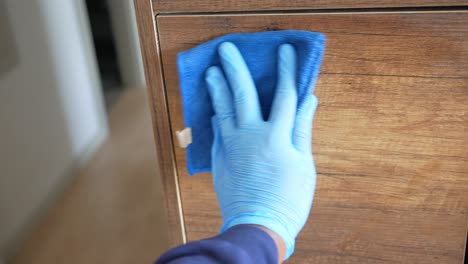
[148, 34]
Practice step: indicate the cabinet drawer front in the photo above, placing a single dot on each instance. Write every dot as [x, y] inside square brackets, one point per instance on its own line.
[189, 6]
[389, 135]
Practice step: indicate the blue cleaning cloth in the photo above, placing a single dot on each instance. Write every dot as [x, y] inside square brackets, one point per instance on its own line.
[260, 53]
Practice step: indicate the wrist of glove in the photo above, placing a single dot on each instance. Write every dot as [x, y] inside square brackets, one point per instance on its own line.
[263, 171]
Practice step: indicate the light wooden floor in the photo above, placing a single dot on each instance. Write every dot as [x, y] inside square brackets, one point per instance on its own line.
[112, 212]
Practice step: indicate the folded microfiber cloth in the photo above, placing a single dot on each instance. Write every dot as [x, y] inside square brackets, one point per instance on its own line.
[260, 53]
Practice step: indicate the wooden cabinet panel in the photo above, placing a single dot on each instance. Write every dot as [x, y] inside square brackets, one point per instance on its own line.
[389, 135]
[189, 6]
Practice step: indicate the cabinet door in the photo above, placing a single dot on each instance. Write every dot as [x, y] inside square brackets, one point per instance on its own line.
[389, 138]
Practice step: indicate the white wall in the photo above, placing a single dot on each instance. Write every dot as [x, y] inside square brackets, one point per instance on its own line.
[51, 110]
[127, 43]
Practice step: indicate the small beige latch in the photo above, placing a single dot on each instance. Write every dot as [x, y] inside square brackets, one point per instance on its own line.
[184, 137]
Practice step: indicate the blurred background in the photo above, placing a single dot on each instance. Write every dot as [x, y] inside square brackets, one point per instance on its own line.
[78, 180]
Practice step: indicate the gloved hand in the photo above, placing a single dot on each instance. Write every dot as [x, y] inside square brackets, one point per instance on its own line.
[263, 171]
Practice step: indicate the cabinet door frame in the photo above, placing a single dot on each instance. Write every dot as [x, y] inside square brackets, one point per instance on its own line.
[148, 33]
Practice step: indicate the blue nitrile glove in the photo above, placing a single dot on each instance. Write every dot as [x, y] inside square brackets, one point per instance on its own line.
[263, 171]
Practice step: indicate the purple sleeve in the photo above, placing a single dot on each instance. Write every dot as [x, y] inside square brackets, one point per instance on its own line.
[239, 244]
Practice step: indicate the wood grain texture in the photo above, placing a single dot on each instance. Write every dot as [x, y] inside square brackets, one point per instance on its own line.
[389, 135]
[189, 6]
[160, 117]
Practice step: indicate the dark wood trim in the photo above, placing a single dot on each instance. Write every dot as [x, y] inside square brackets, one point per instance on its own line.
[216, 6]
[161, 124]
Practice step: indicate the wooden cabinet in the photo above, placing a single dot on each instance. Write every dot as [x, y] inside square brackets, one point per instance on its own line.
[390, 139]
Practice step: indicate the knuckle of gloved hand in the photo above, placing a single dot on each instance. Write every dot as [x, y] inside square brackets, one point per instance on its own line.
[286, 88]
[301, 134]
[240, 97]
[227, 116]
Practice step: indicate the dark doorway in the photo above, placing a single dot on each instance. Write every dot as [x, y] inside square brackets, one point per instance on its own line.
[104, 45]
